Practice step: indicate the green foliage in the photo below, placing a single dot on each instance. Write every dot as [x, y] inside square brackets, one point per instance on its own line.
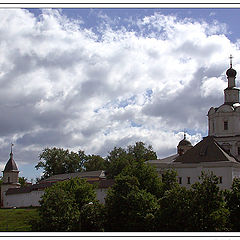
[139, 152]
[169, 180]
[200, 208]
[174, 212]
[128, 207]
[57, 161]
[94, 163]
[146, 176]
[233, 204]
[22, 181]
[120, 158]
[208, 205]
[61, 205]
[92, 217]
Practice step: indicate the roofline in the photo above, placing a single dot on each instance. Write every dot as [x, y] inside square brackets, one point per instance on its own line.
[193, 165]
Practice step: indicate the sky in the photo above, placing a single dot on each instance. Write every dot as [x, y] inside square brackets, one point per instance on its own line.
[92, 79]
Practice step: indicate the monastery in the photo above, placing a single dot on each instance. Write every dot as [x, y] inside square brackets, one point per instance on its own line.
[219, 152]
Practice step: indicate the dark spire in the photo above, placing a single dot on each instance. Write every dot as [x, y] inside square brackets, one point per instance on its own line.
[11, 165]
[231, 72]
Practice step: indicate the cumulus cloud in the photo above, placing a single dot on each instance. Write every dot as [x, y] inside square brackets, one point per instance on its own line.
[65, 85]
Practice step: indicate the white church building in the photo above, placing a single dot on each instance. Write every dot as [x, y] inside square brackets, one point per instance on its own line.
[219, 152]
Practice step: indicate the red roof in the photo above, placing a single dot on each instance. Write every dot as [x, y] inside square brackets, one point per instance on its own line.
[103, 183]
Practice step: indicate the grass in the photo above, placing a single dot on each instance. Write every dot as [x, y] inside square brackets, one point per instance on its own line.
[17, 219]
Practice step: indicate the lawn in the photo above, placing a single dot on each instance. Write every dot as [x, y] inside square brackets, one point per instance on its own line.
[17, 219]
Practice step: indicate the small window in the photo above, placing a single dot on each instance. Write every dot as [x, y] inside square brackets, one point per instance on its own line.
[188, 180]
[9, 179]
[225, 125]
[220, 179]
[180, 180]
[238, 150]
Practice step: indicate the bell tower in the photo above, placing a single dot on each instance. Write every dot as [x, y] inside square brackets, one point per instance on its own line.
[10, 177]
[224, 121]
[231, 93]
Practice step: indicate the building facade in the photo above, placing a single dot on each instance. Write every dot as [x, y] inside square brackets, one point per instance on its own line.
[12, 195]
[219, 152]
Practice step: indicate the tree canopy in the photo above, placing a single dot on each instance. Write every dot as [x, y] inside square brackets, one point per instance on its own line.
[200, 208]
[62, 203]
[128, 207]
[57, 161]
[119, 158]
[94, 163]
[233, 204]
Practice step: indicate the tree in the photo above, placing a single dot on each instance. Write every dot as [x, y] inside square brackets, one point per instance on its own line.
[95, 162]
[209, 212]
[133, 200]
[139, 152]
[61, 205]
[22, 181]
[119, 158]
[58, 161]
[200, 208]
[233, 204]
[92, 217]
[169, 180]
[147, 177]
[128, 207]
[174, 210]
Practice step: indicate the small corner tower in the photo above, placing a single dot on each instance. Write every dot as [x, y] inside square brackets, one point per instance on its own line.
[10, 177]
[183, 145]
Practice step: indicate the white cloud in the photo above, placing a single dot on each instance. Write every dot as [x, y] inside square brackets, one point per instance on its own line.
[208, 87]
[67, 86]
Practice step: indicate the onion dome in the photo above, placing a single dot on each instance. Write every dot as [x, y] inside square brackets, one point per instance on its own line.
[231, 72]
[184, 142]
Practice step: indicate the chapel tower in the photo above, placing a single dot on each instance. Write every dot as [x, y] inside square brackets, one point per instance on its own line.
[224, 121]
[10, 176]
[183, 145]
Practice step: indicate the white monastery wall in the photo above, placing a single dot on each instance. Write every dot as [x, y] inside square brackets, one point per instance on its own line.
[32, 198]
[23, 199]
[101, 194]
[191, 173]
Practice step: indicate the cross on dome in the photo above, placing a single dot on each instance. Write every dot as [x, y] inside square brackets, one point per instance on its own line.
[231, 73]
[11, 147]
[231, 57]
